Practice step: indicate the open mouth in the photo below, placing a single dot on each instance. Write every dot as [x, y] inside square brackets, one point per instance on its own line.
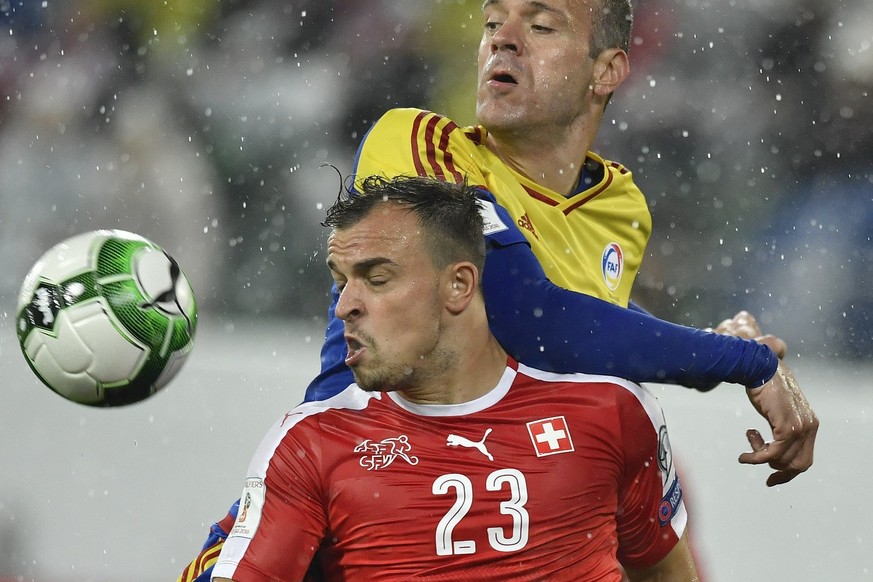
[353, 350]
[352, 345]
[504, 78]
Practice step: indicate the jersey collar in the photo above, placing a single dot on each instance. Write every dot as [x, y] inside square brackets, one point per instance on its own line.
[485, 401]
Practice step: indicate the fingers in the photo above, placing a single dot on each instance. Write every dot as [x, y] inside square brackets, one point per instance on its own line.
[756, 440]
[790, 459]
[793, 423]
[778, 345]
[762, 451]
[743, 325]
[781, 477]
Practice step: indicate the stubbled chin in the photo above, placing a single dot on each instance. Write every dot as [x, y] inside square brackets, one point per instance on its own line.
[498, 118]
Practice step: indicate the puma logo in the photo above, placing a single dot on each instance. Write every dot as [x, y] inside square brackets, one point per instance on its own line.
[455, 440]
[169, 296]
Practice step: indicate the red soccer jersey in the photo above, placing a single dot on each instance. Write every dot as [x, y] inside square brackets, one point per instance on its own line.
[546, 477]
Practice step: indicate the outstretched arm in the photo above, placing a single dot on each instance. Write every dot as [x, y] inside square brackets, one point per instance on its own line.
[554, 329]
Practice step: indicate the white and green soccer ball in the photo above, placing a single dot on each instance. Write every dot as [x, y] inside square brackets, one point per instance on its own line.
[106, 318]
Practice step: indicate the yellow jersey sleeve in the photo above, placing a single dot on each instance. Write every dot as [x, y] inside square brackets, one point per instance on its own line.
[415, 142]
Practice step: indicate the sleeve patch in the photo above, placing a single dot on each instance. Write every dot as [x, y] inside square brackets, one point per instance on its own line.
[250, 507]
[492, 221]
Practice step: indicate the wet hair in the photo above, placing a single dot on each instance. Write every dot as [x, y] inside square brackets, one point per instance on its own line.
[447, 212]
[611, 25]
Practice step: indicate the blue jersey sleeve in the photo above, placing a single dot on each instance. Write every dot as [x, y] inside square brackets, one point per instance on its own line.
[554, 329]
[548, 327]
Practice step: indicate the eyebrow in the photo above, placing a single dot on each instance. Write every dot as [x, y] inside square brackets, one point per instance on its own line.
[536, 5]
[365, 265]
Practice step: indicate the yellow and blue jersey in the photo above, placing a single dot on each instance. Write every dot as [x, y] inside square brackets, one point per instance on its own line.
[591, 242]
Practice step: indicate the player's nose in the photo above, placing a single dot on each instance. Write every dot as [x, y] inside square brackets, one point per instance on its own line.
[349, 306]
[508, 37]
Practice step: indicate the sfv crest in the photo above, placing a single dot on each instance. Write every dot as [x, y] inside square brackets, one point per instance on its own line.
[379, 455]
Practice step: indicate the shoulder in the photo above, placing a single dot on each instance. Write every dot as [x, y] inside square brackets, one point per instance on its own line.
[352, 398]
[619, 198]
[412, 119]
[590, 381]
[303, 423]
[617, 177]
[406, 126]
[409, 141]
[620, 394]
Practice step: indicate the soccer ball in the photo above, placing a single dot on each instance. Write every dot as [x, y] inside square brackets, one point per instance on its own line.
[106, 318]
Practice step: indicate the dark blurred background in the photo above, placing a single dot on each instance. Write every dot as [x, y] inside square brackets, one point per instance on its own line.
[204, 125]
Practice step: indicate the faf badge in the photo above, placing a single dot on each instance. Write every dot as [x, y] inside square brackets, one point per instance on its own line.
[612, 265]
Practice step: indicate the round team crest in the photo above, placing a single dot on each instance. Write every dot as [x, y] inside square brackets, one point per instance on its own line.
[665, 453]
[612, 265]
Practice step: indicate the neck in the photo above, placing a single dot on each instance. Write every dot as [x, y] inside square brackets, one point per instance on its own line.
[552, 157]
[474, 370]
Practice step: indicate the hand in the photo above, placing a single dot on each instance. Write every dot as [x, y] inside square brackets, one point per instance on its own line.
[794, 426]
[744, 325]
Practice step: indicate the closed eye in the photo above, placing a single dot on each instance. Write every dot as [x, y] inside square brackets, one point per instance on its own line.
[492, 26]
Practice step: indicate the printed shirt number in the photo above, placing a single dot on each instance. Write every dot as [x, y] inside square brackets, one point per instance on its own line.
[497, 536]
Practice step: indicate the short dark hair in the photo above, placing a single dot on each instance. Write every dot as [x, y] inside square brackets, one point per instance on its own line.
[611, 26]
[447, 212]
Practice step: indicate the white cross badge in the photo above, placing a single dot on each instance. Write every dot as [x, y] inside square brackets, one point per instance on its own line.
[550, 436]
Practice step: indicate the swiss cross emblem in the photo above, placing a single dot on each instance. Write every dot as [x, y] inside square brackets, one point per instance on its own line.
[550, 436]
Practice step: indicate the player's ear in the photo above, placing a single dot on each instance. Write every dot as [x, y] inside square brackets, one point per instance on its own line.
[611, 68]
[461, 285]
